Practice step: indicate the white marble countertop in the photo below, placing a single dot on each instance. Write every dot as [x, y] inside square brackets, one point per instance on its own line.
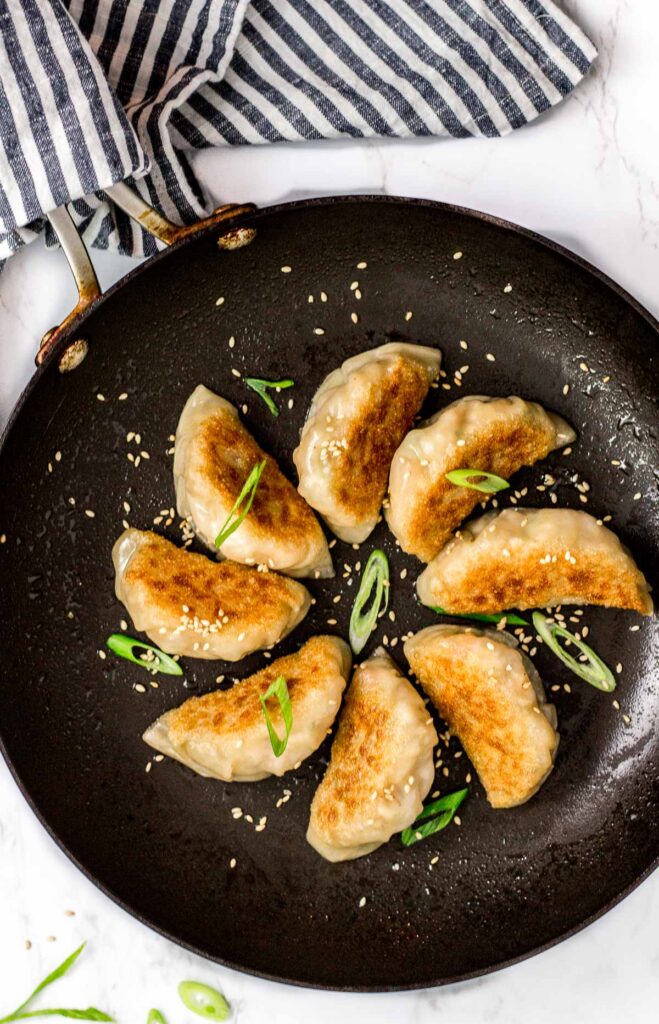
[585, 175]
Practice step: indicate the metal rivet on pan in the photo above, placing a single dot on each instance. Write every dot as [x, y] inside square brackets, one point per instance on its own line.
[236, 238]
[73, 355]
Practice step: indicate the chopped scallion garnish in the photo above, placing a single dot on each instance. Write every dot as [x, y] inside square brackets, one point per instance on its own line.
[155, 1017]
[155, 660]
[278, 689]
[203, 1000]
[510, 617]
[488, 483]
[433, 818]
[593, 670]
[22, 1012]
[374, 578]
[247, 496]
[261, 388]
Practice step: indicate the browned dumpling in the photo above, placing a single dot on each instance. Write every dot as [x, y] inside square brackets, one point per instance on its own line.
[190, 605]
[223, 735]
[381, 766]
[214, 455]
[533, 558]
[493, 700]
[496, 435]
[357, 419]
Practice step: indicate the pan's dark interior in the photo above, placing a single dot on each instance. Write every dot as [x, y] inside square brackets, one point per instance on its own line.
[506, 882]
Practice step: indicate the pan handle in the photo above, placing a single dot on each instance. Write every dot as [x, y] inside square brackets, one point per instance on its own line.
[89, 290]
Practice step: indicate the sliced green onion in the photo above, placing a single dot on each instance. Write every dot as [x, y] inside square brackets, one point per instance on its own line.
[123, 645]
[594, 670]
[278, 689]
[375, 577]
[22, 1013]
[489, 483]
[247, 496]
[155, 1017]
[510, 617]
[203, 1000]
[433, 818]
[261, 388]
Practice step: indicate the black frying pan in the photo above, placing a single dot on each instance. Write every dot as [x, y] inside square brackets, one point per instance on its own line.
[507, 883]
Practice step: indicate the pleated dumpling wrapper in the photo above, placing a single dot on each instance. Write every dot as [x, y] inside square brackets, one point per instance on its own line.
[223, 735]
[496, 435]
[381, 766]
[357, 419]
[213, 457]
[190, 605]
[493, 700]
[533, 558]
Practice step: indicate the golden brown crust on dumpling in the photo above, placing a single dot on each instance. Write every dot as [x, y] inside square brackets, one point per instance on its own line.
[481, 688]
[278, 509]
[496, 435]
[368, 445]
[191, 605]
[534, 558]
[381, 766]
[224, 734]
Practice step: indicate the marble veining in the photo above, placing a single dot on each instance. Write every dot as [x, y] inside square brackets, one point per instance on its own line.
[585, 174]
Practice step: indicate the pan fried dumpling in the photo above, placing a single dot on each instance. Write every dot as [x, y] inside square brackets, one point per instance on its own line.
[190, 605]
[223, 735]
[533, 558]
[497, 435]
[493, 699]
[357, 419]
[214, 455]
[381, 766]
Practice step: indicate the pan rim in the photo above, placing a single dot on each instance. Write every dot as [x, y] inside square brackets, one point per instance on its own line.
[75, 325]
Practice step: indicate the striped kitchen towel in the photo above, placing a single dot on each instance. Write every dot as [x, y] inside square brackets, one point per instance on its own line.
[92, 92]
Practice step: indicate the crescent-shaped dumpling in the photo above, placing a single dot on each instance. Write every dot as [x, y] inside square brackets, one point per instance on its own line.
[492, 698]
[214, 454]
[381, 766]
[192, 606]
[533, 558]
[496, 435]
[223, 735]
[357, 419]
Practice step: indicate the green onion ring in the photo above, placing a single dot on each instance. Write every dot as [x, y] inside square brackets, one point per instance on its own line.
[490, 484]
[375, 577]
[155, 1017]
[595, 671]
[123, 645]
[433, 818]
[248, 492]
[203, 1000]
[278, 689]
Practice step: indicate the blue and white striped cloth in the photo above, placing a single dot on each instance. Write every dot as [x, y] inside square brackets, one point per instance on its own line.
[92, 92]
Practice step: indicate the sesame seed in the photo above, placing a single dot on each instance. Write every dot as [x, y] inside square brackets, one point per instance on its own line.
[638, 496]
[100, 397]
[220, 301]
[58, 456]
[362, 902]
[235, 372]
[318, 330]
[286, 270]
[362, 266]
[584, 367]
[490, 358]
[457, 255]
[464, 345]
[409, 315]
[89, 513]
[3, 538]
[140, 688]
[354, 318]
[232, 341]
[566, 388]
[508, 288]
[634, 629]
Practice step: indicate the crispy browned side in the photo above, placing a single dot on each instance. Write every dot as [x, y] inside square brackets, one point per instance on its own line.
[523, 582]
[494, 736]
[503, 449]
[238, 709]
[375, 435]
[364, 752]
[278, 509]
[174, 577]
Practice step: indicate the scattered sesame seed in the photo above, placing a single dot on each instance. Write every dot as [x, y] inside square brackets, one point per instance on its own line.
[323, 296]
[362, 266]
[318, 330]
[100, 397]
[464, 345]
[3, 538]
[232, 341]
[89, 513]
[220, 301]
[584, 367]
[232, 862]
[409, 315]
[122, 397]
[362, 902]
[566, 388]
[235, 372]
[354, 318]
[490, 358]
[638, 496]
[508, 288]
[58, 456]
[286, 270]
[457, 255]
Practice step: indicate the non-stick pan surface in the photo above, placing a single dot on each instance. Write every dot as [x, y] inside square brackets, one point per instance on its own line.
[162, 843]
